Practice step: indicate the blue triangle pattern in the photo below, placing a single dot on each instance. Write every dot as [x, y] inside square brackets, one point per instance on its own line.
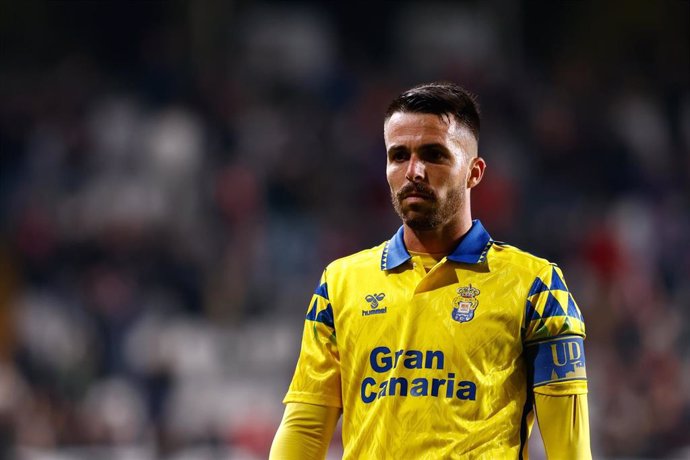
[557, 283]
[311, 315]
[322, 290]
[572, 308]
[531, 313]
[326, 316]
[552, 307]
[537, 287]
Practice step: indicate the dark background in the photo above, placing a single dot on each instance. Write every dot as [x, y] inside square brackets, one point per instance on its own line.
[175, 175]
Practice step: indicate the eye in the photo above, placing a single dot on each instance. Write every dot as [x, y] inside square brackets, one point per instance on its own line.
[435, 155]
[398, 156]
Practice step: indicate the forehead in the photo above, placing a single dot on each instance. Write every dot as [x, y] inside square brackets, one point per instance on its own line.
[404, 128]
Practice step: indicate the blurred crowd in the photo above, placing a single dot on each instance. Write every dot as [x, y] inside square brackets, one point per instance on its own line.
[172, 191]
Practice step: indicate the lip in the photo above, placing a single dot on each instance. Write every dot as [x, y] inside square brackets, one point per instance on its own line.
[416, 197]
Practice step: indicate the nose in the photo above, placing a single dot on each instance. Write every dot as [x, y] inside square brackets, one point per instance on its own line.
[416, 170]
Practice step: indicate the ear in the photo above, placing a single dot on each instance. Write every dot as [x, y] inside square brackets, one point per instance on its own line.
[475, 171]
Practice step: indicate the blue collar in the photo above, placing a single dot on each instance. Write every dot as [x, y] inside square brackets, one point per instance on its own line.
[471, 250]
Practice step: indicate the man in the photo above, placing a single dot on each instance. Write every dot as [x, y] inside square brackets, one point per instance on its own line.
[440, 343]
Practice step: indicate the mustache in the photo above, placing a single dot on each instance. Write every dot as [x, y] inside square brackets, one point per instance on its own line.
[415, 188]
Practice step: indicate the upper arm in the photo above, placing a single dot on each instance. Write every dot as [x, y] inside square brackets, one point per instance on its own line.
[317, 374]
[553, 336]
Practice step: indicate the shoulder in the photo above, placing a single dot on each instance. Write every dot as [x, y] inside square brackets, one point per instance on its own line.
[517, 259]
[367, 259]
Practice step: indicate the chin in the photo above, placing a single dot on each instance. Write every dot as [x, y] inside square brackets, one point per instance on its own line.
[417, 216]
[420, 222]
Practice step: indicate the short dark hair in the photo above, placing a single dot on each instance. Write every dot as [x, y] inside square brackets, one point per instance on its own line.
[440, 98]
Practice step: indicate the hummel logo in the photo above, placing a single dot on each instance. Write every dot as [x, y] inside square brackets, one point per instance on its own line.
[374, 300]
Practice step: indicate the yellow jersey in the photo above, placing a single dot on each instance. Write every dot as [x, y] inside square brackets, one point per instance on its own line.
[439, 363]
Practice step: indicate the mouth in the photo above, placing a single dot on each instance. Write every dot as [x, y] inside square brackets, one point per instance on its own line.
[415, 194]
[417, 197]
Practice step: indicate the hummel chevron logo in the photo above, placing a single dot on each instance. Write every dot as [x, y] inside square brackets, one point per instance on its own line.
[374, 300]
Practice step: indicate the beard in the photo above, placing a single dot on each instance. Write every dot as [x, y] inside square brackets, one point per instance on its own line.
[429, 214]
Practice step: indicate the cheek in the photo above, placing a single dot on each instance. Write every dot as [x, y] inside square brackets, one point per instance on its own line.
[450, 184]
[393, 176]
[459, 178]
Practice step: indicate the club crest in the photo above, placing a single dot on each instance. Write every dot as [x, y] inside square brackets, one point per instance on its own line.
[465, 304]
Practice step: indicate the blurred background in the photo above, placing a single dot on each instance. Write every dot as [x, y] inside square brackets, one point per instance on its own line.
[175, 175]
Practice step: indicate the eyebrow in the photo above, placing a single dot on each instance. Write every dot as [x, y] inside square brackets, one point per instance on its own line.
[431, 146]
[396, 148]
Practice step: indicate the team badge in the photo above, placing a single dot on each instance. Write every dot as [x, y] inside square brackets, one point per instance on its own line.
[465, 304]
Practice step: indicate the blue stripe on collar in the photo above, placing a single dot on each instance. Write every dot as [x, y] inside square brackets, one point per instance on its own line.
[394, 252]
[471, 250]
[473, 246]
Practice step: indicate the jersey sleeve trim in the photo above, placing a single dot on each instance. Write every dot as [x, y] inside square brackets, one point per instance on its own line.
[564, 388]
[312, 398]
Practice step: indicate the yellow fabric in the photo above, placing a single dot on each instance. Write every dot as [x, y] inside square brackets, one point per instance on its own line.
[428, 261]
[305, 432]
[564, 426]
[578, 387]
[432, 364]
[306, 429]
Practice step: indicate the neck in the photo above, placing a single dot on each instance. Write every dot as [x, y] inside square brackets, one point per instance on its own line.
[441, 240]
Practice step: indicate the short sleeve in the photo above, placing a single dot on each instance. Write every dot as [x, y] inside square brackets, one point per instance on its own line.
[553, 335]
[317, 375]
